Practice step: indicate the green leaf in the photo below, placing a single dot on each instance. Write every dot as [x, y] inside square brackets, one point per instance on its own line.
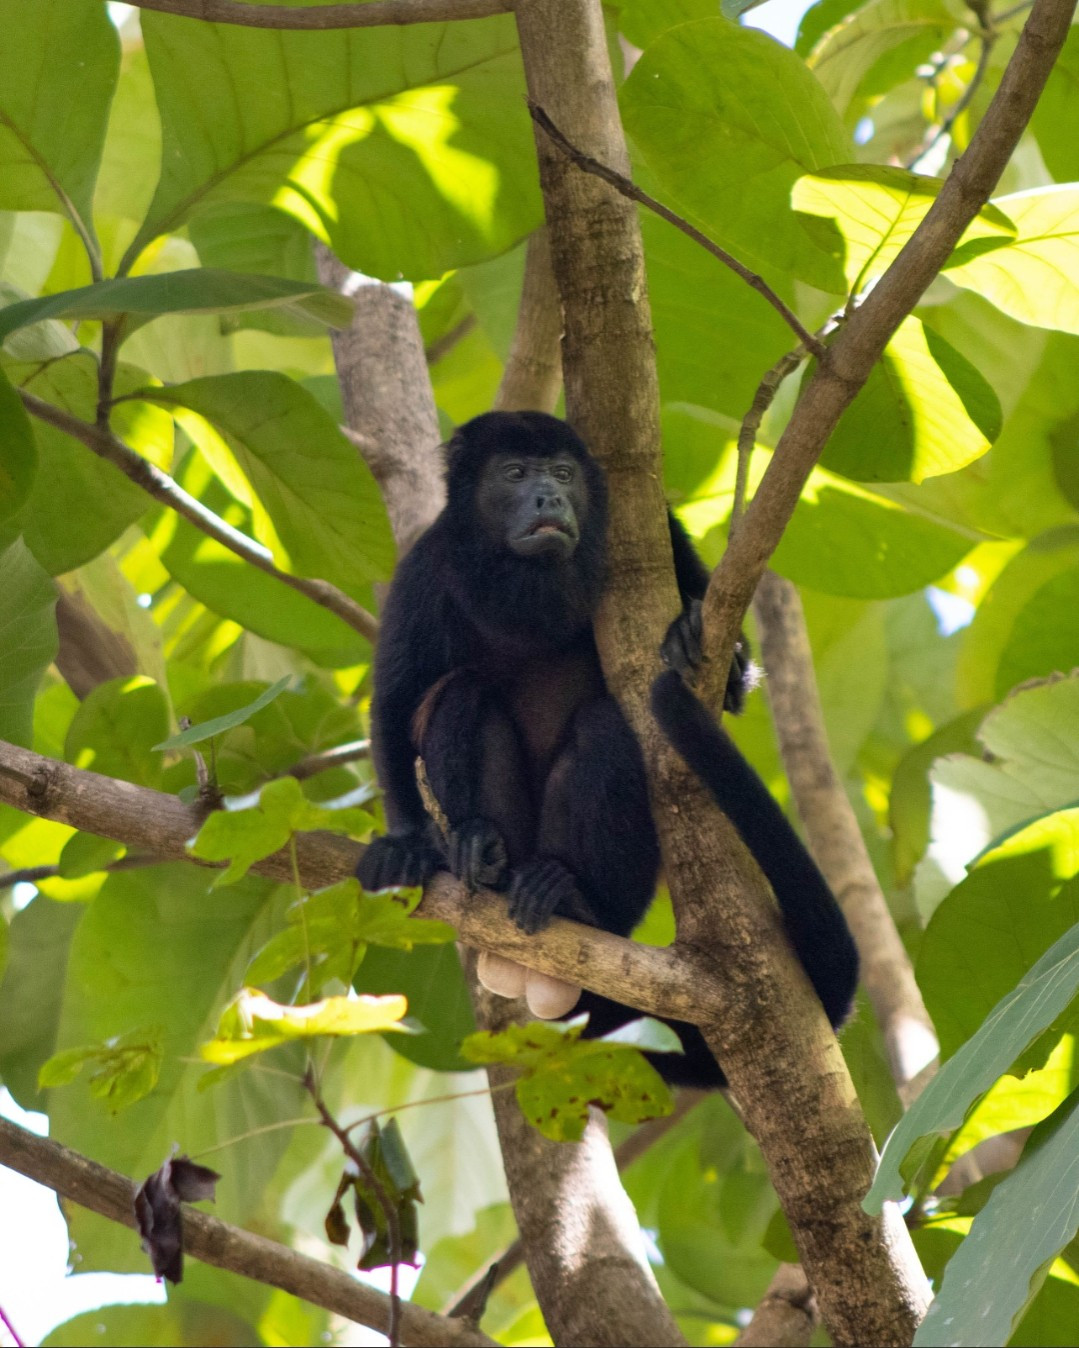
[561, 1074]
[56, 56]
[700, 105]
[115, 729]
[876, 209]
[80, 503]
[246, 835]
[1036, 277]
[154, 949]
[430, 977]
[228, 585]
[323, 505]
[998, 1269]
[1056, 111]
[642, 21]
[1013, 1024]
[86, 854]
[201, 290]
[993, 926]
[924, 411]
[400, 179]
[179, 1322]
[219, 724]
[846, 55]
[28, 639]
[253, 1023]
[124, 1068]
[18, 457]
[1017, 633]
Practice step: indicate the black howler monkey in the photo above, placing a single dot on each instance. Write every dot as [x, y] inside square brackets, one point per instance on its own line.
[487, 669]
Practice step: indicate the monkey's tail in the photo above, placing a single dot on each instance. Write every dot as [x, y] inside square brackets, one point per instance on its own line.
[814, 921]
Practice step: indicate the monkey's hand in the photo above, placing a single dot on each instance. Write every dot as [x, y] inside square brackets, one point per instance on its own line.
[542, 887]
[680, 649]
[476, 854]
[398, 859]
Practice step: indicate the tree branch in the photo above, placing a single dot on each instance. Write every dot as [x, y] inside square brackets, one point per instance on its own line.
[861, 342]
[104, 1191]
[162, 488]
[379, 13]
[532, 378]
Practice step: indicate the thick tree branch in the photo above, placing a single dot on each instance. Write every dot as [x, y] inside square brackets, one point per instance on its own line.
[162, 488]
[770, 1035]
[379, 13]
[532, 378]
[659, 981]
[229, 1247]
[860, 343]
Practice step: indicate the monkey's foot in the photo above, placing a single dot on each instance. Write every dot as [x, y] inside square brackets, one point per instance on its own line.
[398, 859]
[542, 887]
[476, 854]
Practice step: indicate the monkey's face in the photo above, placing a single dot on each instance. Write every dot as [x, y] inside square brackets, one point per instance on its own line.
[533, 505]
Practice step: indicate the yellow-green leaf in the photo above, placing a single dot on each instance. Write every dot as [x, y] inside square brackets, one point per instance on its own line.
[254, 1022]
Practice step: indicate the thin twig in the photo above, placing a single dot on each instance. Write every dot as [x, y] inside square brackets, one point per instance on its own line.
[19, 1343]
[389, 1211]
[380, 13]
[30, 875]
[629, 189]
[987, 37]
[163, 488]
[330, 758]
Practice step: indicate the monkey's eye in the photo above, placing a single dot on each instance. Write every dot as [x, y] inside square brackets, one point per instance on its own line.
[563, 473]
[513, 472]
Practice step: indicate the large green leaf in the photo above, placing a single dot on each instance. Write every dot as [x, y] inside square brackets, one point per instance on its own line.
[200, 290]
[848, 53]
[30, 993]
[151, 950]
[408, 148]
[116, 728]
[1010, 1028]
[58, 66]
[1017, 632]
[998, 1269]
[876, 209]
[843, 538]
[1035, 278]
[992, 927]
[80, 503]
[321, 501]
[231, 587]
[18, 453]
[701, 106]
[28, 641]
[923, 411]
[1056, 113]
[432, 980]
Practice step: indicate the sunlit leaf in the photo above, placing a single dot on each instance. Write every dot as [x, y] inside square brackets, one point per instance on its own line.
[876, 209]
[320, 498]
[924, 411]
[408, 148]
[847, 54]
[253, 1022]
[1036, 277]
[997, 1270]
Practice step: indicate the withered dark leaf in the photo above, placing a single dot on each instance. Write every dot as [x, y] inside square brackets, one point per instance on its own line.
[158, 1215]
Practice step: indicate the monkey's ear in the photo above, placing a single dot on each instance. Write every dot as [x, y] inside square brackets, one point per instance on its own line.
[453, 450]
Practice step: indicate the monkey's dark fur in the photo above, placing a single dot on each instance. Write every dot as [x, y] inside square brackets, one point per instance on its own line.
[487, 668]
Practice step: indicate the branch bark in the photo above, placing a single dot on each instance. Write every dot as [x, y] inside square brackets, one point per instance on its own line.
[532, 378]
[229, 1247]
[379, 13]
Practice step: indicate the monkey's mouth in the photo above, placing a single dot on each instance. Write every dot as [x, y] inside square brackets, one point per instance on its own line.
[547, 527]
[547, 537]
